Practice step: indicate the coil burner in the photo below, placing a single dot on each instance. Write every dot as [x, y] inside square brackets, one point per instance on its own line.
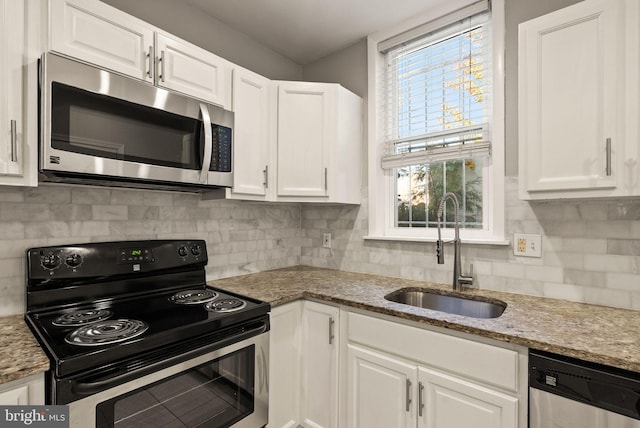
[82, 317]
[194, 297]
[225, 305]
[106, 332]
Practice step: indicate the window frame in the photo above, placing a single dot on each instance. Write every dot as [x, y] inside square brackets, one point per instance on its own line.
[382, 183]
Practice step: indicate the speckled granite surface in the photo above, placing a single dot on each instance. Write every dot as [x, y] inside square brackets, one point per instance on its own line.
[594, 333]
[21, 355]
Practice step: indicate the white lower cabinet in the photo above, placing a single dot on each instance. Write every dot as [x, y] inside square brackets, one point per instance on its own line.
[386, 391]
[284, 366]
[404, 376]
[304, 365]
[334, 368]
[319, 374]
[379, 390]
[29, 390]
[447, 401]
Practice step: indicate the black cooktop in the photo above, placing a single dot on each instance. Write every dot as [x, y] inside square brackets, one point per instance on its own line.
[127, 281]
[168, 323]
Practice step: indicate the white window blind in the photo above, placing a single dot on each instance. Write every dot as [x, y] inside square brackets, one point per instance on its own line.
[437, 95]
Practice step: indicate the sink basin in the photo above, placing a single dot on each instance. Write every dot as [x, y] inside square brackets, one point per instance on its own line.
[451, 304]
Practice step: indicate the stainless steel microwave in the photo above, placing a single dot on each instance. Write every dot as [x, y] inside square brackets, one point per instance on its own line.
[99, 127]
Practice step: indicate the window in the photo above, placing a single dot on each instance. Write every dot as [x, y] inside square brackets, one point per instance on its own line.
[435, 111]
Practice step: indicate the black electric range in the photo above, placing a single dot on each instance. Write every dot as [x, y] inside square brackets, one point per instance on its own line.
[114, 309]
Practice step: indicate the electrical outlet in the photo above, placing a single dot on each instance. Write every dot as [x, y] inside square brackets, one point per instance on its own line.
[527, 245]
[326, 240]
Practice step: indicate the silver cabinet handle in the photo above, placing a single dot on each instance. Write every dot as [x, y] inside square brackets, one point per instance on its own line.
[326, 183]
[331, 335]
[161, 61]
[608, 149]
[14, 141]
[408, 392]
[208, 143]
[151, 58]
[420, 398]
[265, 171]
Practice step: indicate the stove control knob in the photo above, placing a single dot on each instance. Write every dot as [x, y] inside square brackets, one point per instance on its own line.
[73, 260]
[195, 250]
[50, 261]
[182, 251]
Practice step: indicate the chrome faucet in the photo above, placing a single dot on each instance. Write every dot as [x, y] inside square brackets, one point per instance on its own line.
[458, 278]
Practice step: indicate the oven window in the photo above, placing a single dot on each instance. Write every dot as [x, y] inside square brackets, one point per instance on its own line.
[214, 395]
[97, 125]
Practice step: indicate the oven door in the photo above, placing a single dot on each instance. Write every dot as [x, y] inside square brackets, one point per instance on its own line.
[103, 125]
[223, 388]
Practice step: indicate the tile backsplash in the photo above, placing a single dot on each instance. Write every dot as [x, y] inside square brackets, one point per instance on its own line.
[590, 249]
[241, 237]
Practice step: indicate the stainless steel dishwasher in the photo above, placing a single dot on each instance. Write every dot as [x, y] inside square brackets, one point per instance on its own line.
[569, 393]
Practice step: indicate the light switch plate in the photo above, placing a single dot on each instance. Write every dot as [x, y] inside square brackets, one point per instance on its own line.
[527, 245]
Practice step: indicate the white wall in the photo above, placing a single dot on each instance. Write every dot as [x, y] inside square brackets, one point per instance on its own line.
[347, 67]
[180, 18]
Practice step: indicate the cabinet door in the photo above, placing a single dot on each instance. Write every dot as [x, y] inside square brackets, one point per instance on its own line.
[12, 48]
[18, 93]
[320, 365]
[191, 70]
[284, 366]
[15, 397]
[29, 390]
[304, 133]
[380, 390]
[100, 34]
[252, 134]
[569, 69]
[448, 402]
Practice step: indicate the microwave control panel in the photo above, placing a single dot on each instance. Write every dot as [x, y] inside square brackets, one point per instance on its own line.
[221, 153]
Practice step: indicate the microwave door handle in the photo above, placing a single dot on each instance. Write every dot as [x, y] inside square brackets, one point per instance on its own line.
[208, 143]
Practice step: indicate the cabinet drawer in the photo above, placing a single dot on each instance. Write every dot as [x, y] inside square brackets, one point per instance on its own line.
[488, 364]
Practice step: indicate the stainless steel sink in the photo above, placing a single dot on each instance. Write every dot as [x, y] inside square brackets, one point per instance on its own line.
[451, 304]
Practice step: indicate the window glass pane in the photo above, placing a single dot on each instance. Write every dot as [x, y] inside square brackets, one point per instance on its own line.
[421, 187]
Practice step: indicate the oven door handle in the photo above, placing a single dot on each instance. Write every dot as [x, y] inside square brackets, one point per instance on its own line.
[86, 388]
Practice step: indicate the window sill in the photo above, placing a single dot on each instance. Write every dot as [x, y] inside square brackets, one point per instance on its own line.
[496, 242]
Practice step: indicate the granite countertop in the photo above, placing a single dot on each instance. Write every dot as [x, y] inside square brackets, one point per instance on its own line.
[21, 355]
[589, 332]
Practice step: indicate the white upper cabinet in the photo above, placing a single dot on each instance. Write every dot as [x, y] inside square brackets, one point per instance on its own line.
[319, 143]
[18, 131]
[304, 133]
[100, 34]
[577, 70]
[191, 70]
[97, 33]
[254, 125]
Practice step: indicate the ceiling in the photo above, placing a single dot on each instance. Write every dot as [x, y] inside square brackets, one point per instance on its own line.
[307, 30]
